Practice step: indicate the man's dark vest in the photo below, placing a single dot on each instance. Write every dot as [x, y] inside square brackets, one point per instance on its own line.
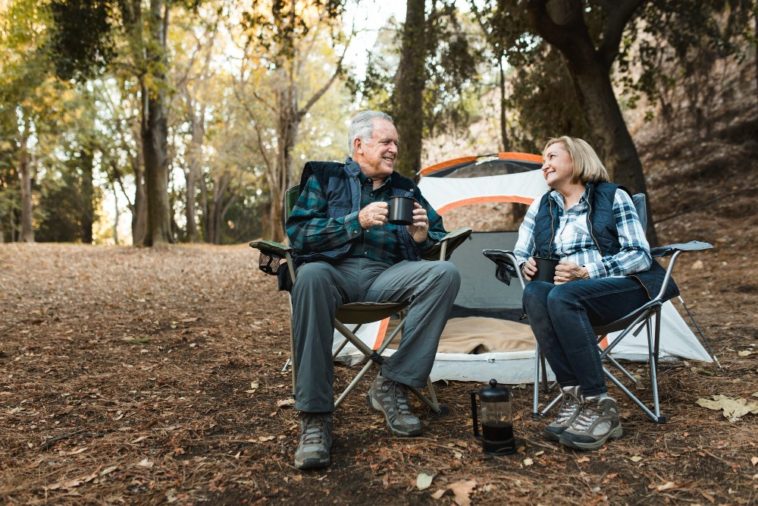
[601, 224]
[343, 193]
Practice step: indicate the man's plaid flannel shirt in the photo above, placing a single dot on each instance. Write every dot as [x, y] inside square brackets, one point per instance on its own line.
[310, 229]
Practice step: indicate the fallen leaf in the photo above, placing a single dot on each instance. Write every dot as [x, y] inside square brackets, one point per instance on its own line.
[461, 491]
[253, 387]
[141, 438]
[636, 458]
[284, 403]
[744, 353]
[145, 463]
[424, 481]
[108, 470]
[582, 460]
[664, 486]
[263, 439]
[439, 493]
[754, 460]
[733, 409]
[528, 462]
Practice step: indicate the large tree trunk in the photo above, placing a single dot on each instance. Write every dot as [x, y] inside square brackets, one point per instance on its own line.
[561, 23]
[88, 207]
[25, 173]
[155, 133]
[407, 97]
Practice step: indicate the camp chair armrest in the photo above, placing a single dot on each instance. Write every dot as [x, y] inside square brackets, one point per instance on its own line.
[445, 247]
[507, 265]
[272, 248]
[670, 249]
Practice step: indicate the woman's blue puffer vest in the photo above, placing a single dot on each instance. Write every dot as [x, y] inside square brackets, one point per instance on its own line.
[602, 226]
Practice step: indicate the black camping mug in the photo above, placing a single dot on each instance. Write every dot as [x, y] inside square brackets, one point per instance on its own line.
[401, 210]
[545, 269]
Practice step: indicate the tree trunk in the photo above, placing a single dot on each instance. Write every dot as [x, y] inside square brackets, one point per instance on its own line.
[503, 125]
[25, 173]
[194, 161]
[409, 88]
[155, 133]
[88, 207]
[139, 210]
[562, 24]
[287, 128]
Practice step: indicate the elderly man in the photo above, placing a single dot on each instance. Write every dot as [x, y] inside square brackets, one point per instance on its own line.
[346, 251]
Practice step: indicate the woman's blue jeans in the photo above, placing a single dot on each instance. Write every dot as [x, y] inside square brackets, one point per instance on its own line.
[562, 316]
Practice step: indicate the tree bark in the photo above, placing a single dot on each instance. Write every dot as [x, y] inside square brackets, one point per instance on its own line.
[194, 162]
[503, 125]
[561, 24]
[88, 208]
[25, 174]
[155, 132]
[408, 110]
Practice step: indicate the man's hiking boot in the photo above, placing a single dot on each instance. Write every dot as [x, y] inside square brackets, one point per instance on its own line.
[570, 407]
[315, 445]
[390, 398]
[597, 422]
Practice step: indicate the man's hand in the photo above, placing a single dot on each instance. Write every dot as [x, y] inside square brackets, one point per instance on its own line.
[529, 269]
[569, 271]
[420, 228]
[374, 215]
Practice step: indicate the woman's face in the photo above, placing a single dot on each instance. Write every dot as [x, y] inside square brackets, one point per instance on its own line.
[558, 166]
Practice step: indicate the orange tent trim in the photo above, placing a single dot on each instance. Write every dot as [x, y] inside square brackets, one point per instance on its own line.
[483, 200]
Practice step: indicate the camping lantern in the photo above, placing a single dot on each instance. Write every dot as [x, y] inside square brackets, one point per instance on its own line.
[496, 419]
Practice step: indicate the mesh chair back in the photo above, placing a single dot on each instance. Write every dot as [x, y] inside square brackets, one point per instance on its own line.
[640, 205]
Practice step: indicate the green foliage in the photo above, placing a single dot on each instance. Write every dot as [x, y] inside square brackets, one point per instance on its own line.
[545, 102]
[82, 37]
[61, 203]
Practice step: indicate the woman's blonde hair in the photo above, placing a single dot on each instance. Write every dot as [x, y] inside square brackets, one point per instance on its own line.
[587, 165]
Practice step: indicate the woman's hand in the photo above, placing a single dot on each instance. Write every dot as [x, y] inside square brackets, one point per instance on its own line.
[569, 271]
[529, 269]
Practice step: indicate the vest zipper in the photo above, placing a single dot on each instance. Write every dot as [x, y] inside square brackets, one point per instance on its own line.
[552, 227]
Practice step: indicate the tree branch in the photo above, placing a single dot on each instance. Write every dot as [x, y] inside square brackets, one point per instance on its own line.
[618, 14]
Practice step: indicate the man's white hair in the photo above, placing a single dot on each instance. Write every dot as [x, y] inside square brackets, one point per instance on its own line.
[362, 126]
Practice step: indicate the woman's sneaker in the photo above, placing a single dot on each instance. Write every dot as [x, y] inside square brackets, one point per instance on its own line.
[570, 407]
[596, 423]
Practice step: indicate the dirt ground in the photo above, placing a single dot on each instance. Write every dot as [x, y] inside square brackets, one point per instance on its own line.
[153, 376]
[147, 376]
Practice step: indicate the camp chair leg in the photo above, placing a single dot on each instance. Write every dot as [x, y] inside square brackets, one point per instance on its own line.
[623, 370]
[430, 401]
[353, 383]
[657, 418]
[550, 406]
[536, 392]
[652, 343]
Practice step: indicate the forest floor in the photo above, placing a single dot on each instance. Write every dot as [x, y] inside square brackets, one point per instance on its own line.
[147, 376]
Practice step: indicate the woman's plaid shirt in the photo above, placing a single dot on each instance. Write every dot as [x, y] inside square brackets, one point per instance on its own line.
[574, 243]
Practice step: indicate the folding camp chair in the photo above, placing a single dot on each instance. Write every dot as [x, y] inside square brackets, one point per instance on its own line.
[272, 257]
[647, 316]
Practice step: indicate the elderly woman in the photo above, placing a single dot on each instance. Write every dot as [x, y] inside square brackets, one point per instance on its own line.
[605, 272]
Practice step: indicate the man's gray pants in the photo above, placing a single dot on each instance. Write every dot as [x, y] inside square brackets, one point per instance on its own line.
[322, 287]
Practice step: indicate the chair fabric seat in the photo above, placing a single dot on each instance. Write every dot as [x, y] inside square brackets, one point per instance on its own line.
[367, 312]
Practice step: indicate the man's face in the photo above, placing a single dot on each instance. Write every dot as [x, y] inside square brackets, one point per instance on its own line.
[376, 156]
